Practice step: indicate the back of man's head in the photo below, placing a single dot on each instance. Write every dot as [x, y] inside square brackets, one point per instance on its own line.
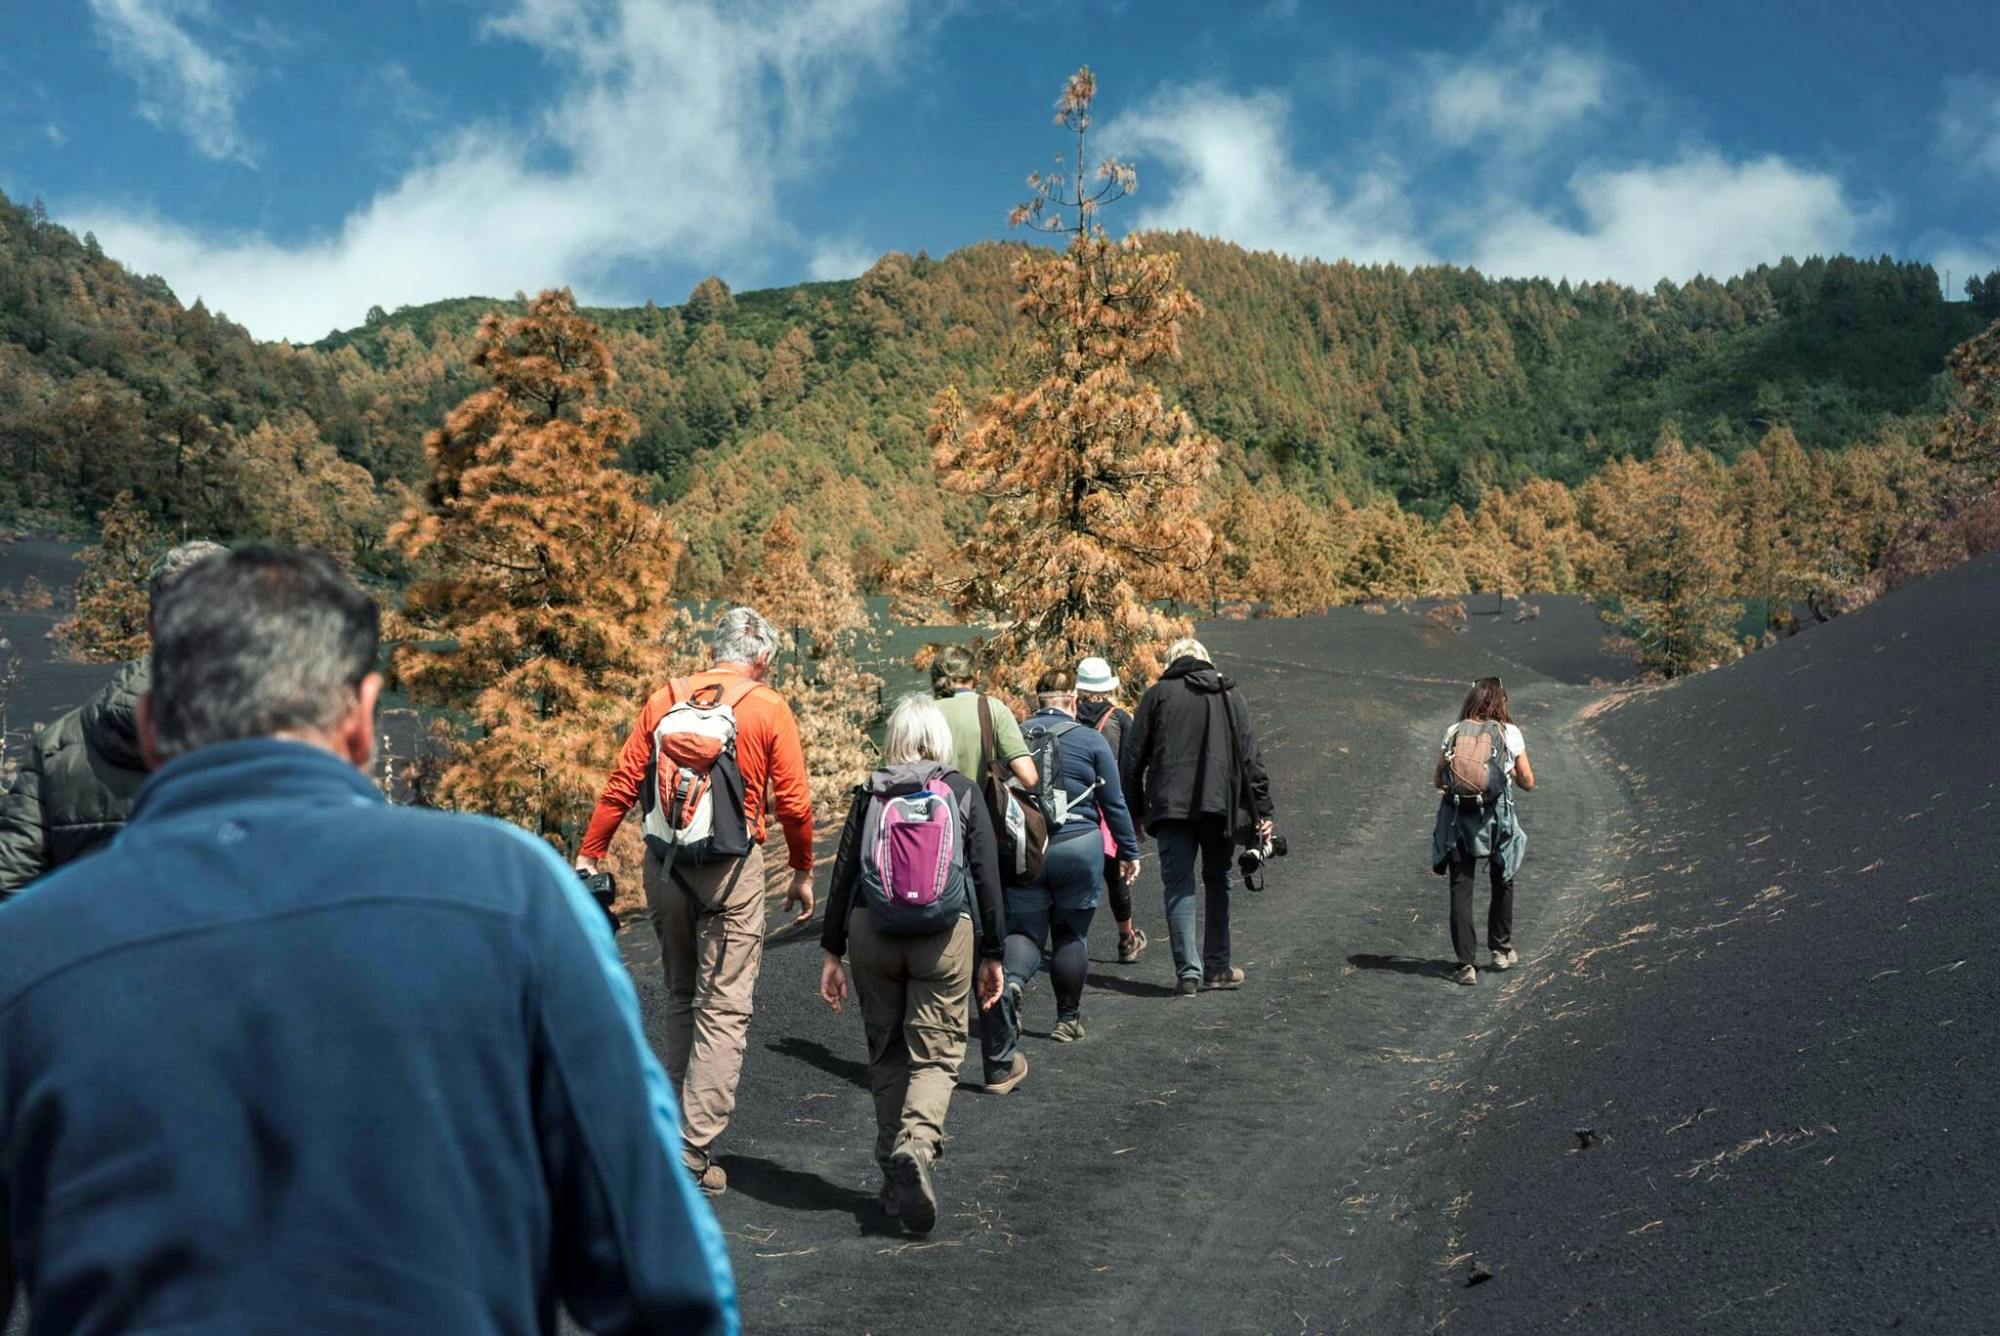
[744, 636]
[175, 562]
[951, 669]
[256, 643]
[1187, 648]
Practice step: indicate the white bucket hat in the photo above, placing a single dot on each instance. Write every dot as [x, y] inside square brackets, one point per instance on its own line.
[1094, 674]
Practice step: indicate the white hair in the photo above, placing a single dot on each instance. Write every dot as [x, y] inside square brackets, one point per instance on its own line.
[1188, 648]
[744, 636]
[917, 731]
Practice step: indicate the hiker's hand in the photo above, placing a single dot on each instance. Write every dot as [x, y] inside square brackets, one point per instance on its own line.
[832, 981]
[1266, 828]
[800, 893]
[1128, 870]
[992, 978]
[587, 866]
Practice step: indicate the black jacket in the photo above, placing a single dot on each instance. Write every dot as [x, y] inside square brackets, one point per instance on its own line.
[1178, 760]
[982, 856]
[76, 785]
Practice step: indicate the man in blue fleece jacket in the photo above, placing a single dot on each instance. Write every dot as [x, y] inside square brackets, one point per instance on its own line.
[283, 1057]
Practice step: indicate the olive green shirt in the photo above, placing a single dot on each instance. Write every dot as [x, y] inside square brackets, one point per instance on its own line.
[961, 711]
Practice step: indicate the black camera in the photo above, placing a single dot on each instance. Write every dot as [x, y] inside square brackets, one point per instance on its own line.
[603, 888]
[1251, 861]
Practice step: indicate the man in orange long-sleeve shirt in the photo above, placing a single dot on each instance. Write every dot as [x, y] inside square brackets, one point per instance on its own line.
[710, 915]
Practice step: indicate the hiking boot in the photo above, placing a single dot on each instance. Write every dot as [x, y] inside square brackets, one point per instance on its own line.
[707, 1175]
[1130, 947]
[1505, 958]
[1226, 977]
[1014, 1077]
[1466, 975]
[1067, 1031]
[910, 1178]
[1187, 987]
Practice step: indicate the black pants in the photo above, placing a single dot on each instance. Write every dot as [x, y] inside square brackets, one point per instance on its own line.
[1499, 911]
[1121, 894]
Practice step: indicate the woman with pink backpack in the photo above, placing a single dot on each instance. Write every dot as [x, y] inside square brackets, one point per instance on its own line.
[917, 860]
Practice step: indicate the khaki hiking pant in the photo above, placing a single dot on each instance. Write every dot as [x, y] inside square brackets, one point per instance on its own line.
[914, 993]
[710, 920]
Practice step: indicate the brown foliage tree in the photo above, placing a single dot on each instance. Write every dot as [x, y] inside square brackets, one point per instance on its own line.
[1091, 480]
[544, 576]
[110, 621]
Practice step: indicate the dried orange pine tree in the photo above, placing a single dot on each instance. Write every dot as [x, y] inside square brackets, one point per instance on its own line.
[825, 624]
[1092, 481]
[544, 576]
[109, 624]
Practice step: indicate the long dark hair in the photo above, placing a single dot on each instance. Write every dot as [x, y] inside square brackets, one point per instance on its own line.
[1486, 700]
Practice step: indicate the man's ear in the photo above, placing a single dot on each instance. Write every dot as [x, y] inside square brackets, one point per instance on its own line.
[357, 731]
[149, 738]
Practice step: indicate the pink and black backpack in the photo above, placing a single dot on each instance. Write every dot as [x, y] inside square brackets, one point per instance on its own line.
[913, 861]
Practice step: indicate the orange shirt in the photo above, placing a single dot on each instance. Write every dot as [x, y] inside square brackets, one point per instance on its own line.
[767, 752]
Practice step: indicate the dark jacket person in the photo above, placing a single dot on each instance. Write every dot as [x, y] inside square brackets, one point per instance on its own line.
[283, 1057]
[76, 786]
[1194, 776]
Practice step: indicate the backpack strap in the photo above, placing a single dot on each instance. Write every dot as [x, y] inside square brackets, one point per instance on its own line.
[989, 750]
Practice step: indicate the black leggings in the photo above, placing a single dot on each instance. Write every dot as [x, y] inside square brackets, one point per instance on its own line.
[1121, 894]
[1068, 964]
[1499, 911]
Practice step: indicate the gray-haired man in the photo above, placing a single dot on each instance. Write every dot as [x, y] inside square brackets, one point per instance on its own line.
[707, 898]
[76, 786]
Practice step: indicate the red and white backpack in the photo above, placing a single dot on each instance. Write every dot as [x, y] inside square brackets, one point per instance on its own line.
[694, 786]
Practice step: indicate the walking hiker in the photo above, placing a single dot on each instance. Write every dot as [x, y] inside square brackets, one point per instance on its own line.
[284, 1057]
[1048, 921]
[1482, 759]
[916, 866]
[1097, 705]
[76, 786]
[699, 761]
[1194, 777]
[959, 698]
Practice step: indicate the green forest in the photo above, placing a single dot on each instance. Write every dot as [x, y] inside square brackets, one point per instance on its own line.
[1338, 383]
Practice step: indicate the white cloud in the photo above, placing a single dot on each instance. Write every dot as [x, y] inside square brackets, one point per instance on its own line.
[841, 259]
[1698, 214]
[671, 130]
[1957, 259]
[1969, 126]
[1516, 91]
[1233, 176]
[182, 84]
[55, 134]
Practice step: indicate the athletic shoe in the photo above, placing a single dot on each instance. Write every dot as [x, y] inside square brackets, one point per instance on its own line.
[1013, 1078]
[707, 1175]
[1130, 947]
[1067, 1032]
[1505, 959]
[1227, 977]
[1466, 975]
[1186, 988]
[910, 1176]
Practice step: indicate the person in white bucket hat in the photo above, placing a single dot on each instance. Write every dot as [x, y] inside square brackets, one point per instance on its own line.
[1097, 706]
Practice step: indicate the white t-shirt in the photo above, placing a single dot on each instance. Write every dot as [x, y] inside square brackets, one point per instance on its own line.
[1517, 746]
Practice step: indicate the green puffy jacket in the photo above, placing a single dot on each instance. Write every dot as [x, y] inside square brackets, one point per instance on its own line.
[77, 784]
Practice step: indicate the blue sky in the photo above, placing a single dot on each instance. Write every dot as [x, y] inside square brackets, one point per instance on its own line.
[295, 164]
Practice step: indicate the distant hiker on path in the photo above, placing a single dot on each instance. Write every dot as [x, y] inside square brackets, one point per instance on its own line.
[77, 783]
[285, 1057]
[1097, 705]
[916, 866]
[699, 761]
[952, 682]
[1048, 921]
[1483, 757]
[1194, 777]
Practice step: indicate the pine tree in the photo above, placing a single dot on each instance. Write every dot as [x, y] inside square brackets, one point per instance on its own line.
[544, 573]
[1091, 480]
[112, 595]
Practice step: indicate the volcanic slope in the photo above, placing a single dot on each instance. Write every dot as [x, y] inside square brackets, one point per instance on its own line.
[1752, 1088]
[1230, 1162]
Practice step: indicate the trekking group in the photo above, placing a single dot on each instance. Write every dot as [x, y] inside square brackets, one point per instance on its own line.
[237, 1080]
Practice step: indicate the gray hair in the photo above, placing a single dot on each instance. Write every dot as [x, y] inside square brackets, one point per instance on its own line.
[744, 636]
[175, 562]
[917, 731]
[256, 643]
[1188, 648]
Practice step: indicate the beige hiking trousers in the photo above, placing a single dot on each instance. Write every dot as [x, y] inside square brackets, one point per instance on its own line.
[914, 993]
[710, 921]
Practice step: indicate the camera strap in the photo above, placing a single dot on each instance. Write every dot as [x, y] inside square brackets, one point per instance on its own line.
[1241, 773]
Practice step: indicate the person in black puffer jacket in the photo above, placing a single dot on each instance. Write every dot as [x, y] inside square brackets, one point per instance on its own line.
[1194, 778]
[76, 786]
